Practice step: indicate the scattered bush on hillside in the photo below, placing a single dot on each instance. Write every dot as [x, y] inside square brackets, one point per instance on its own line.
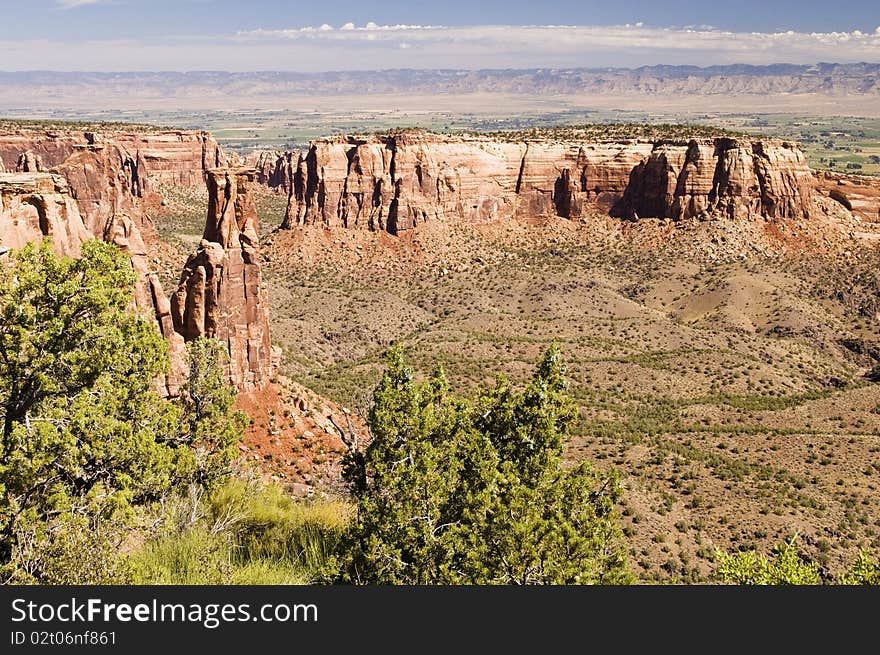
[786, 566]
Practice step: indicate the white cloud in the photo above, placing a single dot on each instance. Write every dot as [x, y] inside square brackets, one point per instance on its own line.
[571, 40]
[73, 4]
[369, 47]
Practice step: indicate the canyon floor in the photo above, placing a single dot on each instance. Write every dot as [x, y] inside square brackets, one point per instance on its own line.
[725, 370]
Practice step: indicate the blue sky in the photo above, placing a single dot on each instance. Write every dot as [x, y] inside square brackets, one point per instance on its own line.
[344, 34]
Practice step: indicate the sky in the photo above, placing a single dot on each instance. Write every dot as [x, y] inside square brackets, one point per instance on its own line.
[242, 35]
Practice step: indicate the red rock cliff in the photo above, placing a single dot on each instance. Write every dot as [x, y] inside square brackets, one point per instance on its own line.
[398, 181]
[858, 193]
[274, 168]
[176, 157]
[102, 186]
[149, 296]
[34, 205]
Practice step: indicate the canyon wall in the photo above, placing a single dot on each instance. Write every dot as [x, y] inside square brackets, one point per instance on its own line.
[75, 185]
[221, 292]
[171, 156]
[149, 297]
[101, 185]
[113, 171]
[274, 168]
[34, 205]
[860, 194]
[396, 182]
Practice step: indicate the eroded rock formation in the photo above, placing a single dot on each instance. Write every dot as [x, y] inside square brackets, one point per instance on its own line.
[221, 292]
[106, 179]
[149, 297]
[33, 205]
[171, 156]
[29, 162]
[274, 168]
[397, 181]
[857, 193]
[102, 185]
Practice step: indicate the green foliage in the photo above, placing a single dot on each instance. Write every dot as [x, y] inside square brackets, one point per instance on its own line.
[77, 126]
[72, 549]
[86, 439]
[785, 567]
[276, 527]
[864, 571]
[616, 131]
[82, 426]
[453, 490]
[211, 427]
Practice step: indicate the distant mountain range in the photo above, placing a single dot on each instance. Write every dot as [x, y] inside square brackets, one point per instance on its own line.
[823, 78]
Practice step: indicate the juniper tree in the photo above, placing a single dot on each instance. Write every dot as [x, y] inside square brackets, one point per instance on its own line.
[455, 490]
[85, 436]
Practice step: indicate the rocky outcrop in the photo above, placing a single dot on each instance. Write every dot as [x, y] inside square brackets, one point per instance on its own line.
[34, 205]
[102, 185]
[29, 162]
[396, 182]
[274, 168]
[107, 179]
[221, 292]
[113, 171]
[179, 158]
[171, 156]
[149, 297]
[859, 194]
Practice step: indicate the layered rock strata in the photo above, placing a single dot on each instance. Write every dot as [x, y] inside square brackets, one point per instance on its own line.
[171, 156]
[859, 194]
[221, 292]
[107, 179]
[102, 186]
[397, 181]
[34, 205]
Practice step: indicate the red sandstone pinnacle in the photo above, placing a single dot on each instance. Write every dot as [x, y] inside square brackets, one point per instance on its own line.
[103, 187]
[29, 162]
[221, 292]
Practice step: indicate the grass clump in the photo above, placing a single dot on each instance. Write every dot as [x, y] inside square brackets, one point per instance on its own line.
[245, 532]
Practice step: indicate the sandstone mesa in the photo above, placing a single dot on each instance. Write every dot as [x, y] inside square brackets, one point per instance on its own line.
[76, 185]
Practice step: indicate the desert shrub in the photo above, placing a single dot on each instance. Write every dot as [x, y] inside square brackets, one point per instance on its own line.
[784, 567]
[865, 570]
